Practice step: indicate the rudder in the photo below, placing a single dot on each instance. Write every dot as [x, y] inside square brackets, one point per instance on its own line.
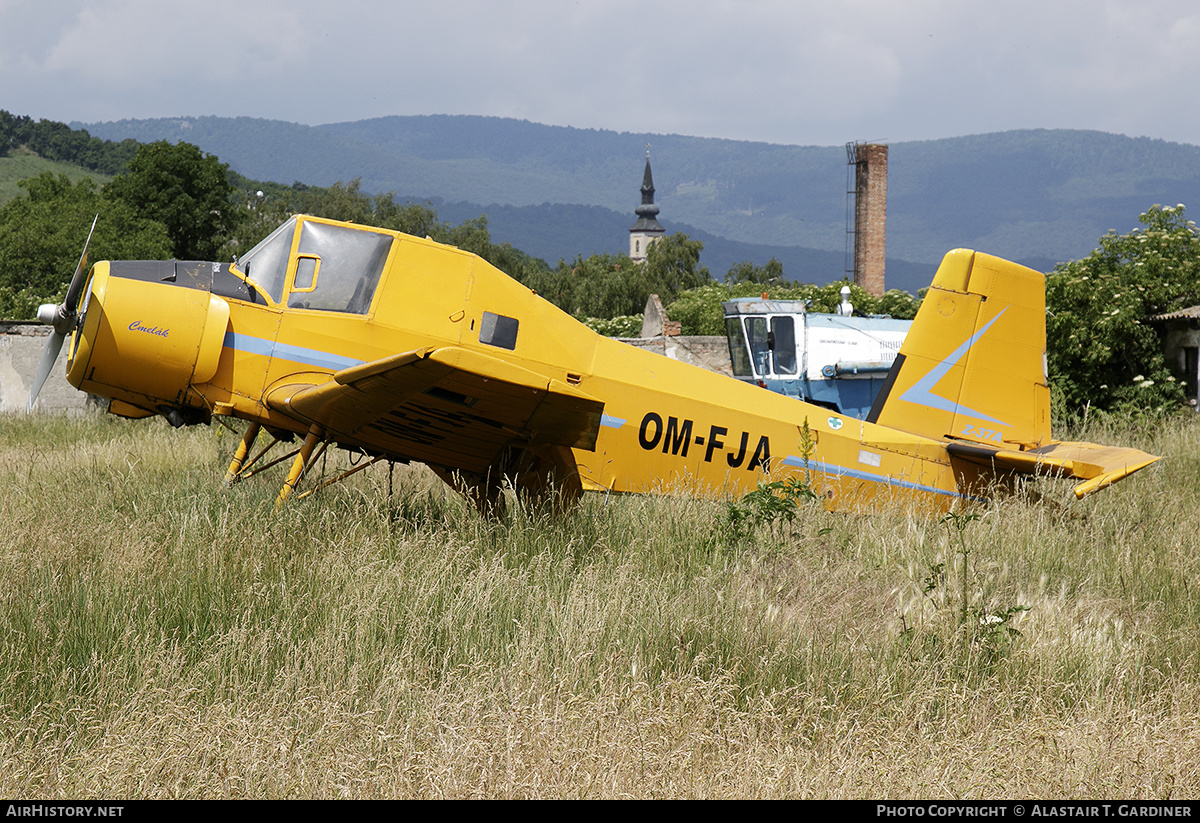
[973, 366]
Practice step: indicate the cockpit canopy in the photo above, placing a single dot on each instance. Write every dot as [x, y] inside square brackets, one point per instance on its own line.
[336, 268]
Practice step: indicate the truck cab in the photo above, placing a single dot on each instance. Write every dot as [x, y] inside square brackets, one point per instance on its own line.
[831, 360]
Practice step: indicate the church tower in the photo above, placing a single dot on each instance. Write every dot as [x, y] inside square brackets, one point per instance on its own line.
[647, 229]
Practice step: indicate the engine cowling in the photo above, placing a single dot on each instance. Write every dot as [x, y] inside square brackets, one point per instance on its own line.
[147, 331]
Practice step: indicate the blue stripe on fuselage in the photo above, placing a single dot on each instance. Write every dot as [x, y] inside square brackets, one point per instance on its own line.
[283, 351]
[841, 471]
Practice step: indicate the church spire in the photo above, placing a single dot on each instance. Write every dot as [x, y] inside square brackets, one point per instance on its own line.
[647, 229]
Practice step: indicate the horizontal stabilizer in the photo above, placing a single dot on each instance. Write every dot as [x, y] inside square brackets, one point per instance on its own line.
[1098, 466]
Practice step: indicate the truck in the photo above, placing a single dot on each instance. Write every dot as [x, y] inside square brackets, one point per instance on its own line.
[839, 361]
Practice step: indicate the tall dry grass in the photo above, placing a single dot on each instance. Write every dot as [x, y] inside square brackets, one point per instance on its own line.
[165, 637]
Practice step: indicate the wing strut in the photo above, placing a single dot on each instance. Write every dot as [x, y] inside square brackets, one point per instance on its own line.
[239, 457]
[303, 460]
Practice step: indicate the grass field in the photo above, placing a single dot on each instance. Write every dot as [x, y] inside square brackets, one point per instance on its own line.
[23, 166]
[165, 637]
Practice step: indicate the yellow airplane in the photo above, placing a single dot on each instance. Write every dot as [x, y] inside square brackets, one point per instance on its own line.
[405, 349]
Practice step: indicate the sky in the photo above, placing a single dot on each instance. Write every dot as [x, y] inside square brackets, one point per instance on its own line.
[778, 71]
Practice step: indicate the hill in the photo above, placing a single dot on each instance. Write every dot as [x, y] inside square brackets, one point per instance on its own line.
[564, 231]
[23, 166]
[1040, 197]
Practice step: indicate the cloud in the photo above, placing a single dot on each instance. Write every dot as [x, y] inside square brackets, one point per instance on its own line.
[775, 70]
[143, 47]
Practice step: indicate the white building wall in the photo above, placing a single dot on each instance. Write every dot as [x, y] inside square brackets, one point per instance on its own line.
[21, 347]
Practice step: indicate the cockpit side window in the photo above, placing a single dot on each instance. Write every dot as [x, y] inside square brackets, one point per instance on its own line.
[266, 264]
[341, 268]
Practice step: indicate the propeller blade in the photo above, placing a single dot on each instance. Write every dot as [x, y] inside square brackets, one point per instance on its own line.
[72, 299]
[49, 357]
[60, 317]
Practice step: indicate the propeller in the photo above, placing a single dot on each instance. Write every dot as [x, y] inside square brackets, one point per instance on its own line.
[62, 318]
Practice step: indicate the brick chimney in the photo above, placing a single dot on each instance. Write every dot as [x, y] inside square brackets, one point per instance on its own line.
[870, 215]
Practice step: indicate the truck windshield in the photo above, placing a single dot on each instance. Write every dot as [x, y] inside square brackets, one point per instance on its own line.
[753, 352]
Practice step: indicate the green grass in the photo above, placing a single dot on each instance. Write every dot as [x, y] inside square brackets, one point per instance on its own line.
[23, 166]
[166, 637]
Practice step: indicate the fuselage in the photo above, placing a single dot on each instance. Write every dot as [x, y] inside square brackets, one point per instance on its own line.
[191, 340]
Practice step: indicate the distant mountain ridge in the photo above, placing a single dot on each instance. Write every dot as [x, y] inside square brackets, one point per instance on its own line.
[1039, 197]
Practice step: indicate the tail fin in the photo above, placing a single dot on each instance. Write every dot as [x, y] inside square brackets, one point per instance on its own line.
[973, 365]
[973, 369]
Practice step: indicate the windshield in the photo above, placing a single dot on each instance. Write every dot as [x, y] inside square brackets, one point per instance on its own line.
[266, 263]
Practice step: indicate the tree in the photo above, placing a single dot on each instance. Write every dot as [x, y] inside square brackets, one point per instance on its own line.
[1102, 351]
[747, 272]
[417, 219]
[607, 286]
[184, 189]
[673, 266]
[601, 285]
[699, 310]
[58, 141]
[341, 201]
[42, 235]
[347, 202]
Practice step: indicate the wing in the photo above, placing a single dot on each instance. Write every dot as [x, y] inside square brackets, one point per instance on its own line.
[1097, 466]
[449, 407]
